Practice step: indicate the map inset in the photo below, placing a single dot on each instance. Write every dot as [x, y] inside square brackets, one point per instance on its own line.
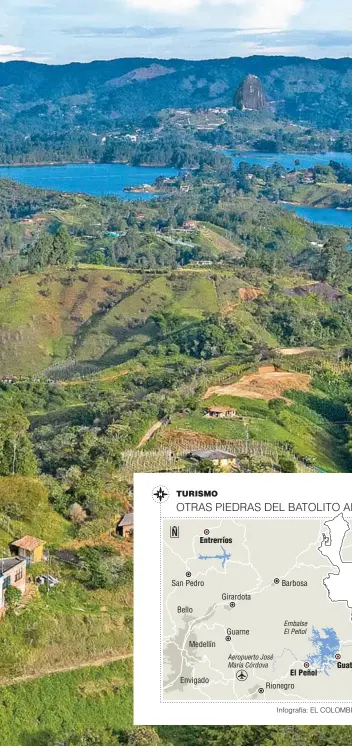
[257, 609]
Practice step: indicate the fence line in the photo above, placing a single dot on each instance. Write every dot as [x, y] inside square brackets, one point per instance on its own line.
[171, 459]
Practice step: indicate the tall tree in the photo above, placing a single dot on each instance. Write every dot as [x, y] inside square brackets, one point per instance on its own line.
[40, 255]
[62, 247]
[16, 454]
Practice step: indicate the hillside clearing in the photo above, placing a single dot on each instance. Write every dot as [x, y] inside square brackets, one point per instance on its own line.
[219, 241]
[150, 432]
[296, 351]
[266, 383]
[249, 294]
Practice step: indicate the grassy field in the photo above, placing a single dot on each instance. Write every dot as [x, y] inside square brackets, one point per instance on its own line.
[242, 314]
[321, 194]
[122, 330]
[40, 315]
[104, 315]
[68, 626]
[54, 708]
[100, 317]
[216, 238]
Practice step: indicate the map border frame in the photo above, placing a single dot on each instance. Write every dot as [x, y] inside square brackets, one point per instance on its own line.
[149, 706]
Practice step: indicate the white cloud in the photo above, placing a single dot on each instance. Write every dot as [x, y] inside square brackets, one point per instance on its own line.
[258, 13]
[273, 13]
[8, 52]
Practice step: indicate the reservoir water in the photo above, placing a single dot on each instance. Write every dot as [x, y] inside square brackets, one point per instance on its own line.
[100, 179]
[96, 179]
[323, 216]
[306, 160]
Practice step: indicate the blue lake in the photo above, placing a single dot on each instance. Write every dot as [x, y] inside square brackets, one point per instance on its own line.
[323, 216]
[96, 179]
[287, 160]
[110, 179]
[320, 216]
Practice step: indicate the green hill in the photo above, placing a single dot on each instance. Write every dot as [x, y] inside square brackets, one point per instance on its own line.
[40, 315]
[316, 91]
[105, 316]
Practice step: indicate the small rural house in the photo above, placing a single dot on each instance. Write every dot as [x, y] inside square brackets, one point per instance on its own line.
[12, 573]
[29, 548]
[220, 412]
[218, 458]
[125, 526]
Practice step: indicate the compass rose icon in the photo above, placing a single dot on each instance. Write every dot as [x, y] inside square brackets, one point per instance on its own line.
[160, 494]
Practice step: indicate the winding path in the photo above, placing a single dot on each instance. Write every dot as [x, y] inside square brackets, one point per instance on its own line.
[69, 668]
[150, 432]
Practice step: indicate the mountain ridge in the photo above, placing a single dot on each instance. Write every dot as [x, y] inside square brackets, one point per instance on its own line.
[317, 92]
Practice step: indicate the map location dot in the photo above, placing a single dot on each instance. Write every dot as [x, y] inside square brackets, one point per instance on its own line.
[232, 604]
[276, 580]
[337, 656]
[306, 664]
[228, 638]
[261, 690]
[188, 573]
[206, 531]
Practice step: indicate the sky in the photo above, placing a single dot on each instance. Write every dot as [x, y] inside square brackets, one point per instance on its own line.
[62, 31]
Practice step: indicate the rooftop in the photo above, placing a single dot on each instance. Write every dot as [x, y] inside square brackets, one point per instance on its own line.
[7, 563]
[28, 543]
[208, 454]
[221, 408]
[127, 520]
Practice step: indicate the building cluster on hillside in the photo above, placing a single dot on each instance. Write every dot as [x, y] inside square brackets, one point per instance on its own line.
[28, 550]
[13, 570]
[220, 411]
[308, 177]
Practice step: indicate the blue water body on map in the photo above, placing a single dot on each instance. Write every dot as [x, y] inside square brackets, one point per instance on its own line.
[326, 645]
[323, 216]
[307, 160]
[96, 179]
[224, 557]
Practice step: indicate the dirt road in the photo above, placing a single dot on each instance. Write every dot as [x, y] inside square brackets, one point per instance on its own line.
[56, 670]
[150, 432]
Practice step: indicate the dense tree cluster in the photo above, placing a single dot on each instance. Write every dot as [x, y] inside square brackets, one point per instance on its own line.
[51, 249]
[76, 147]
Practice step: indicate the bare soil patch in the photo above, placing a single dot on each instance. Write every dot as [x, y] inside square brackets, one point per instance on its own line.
[325, 290]
[189, 439]
[150, 432]
[249, 294]
[266, 383]
[296, 351]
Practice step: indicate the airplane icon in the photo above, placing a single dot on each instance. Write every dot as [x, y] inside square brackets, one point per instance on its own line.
[241, 675]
